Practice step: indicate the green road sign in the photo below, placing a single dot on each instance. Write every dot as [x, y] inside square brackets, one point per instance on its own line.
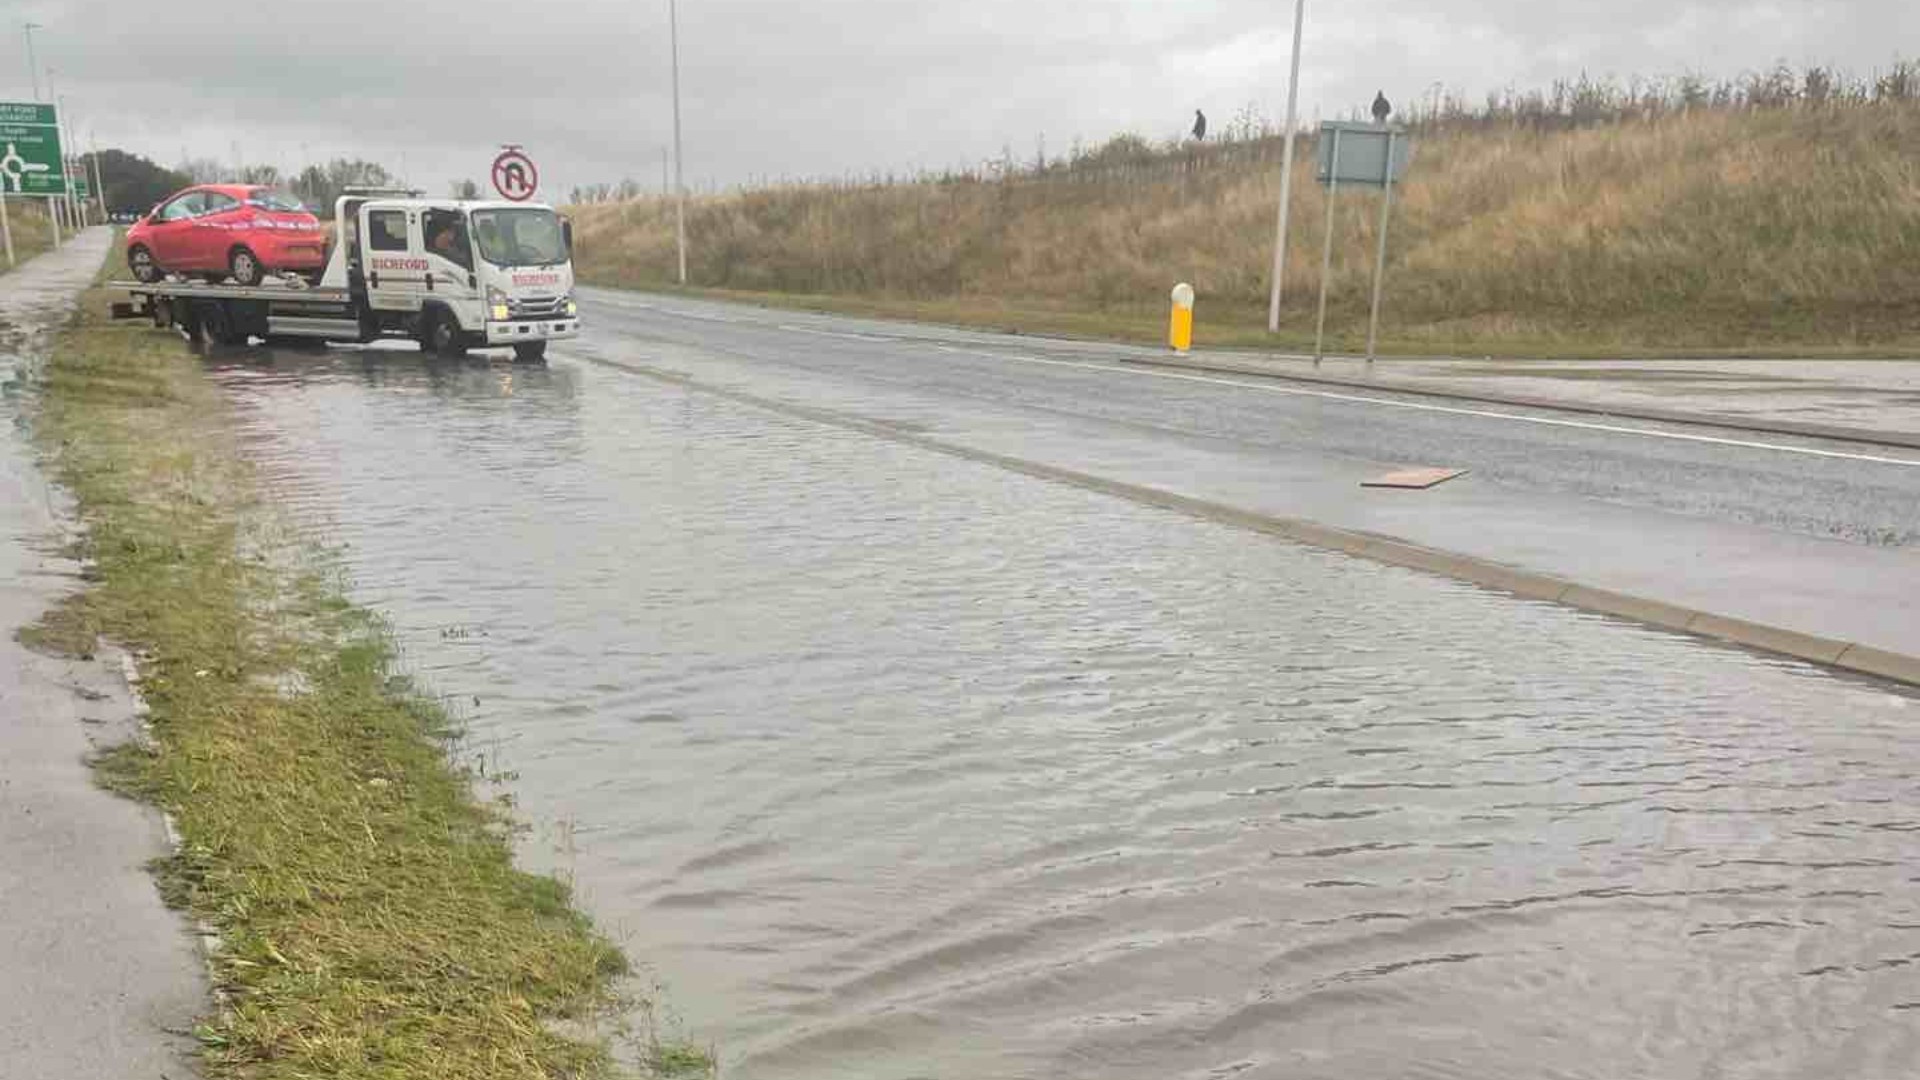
[1362, 151]
[30, 150]
[81, 188]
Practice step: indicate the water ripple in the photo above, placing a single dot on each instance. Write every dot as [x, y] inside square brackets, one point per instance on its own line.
[894, 765]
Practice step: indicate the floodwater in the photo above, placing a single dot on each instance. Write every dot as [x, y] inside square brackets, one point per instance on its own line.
[895, 765]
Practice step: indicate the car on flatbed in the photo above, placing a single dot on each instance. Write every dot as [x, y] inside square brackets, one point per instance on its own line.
[450, 274]
[215, 231]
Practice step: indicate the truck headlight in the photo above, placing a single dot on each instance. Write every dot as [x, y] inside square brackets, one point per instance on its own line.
[497, 305]
[572, 308]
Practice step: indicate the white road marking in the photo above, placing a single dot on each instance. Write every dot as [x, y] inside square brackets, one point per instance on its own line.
[1454, 410]
[831, 333]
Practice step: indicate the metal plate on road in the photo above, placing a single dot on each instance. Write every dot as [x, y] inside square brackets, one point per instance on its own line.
[30, 150]
[1414, 479]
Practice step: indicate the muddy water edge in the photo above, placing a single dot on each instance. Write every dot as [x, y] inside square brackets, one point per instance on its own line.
[361, 882]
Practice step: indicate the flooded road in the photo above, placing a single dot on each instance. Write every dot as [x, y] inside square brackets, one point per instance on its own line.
[896, 765]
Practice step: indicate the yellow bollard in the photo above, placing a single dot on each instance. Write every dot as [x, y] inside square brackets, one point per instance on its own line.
[1180, 326]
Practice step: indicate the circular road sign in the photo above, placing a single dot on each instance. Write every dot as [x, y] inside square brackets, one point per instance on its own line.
[514, 176]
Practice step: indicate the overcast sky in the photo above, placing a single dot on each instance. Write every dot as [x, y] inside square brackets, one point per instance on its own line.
[828, 87]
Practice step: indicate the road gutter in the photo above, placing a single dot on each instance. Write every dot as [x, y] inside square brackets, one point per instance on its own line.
[1527, 584]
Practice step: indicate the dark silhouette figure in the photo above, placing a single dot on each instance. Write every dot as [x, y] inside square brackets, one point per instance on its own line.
[1382, 108]
[1199, 125]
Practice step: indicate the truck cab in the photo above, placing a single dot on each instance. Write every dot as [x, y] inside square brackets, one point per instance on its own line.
[455, 274]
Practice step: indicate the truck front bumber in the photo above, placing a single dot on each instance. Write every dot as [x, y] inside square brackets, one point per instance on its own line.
[524, 331]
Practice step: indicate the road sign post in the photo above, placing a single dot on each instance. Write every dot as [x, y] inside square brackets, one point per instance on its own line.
[1332, 181]
[6, 228]
[1380, 258]
[1372, 155]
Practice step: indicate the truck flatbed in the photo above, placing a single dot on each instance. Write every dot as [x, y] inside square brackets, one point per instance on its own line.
[208, 290]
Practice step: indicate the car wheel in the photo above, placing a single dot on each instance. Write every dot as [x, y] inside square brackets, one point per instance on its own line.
[532, 352]
[245, 267]
[444, 337]
[140, 262]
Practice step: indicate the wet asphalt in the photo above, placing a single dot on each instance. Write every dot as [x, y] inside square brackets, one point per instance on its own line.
[1844, 498]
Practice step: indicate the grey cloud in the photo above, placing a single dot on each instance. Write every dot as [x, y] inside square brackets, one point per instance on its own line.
[827, 87]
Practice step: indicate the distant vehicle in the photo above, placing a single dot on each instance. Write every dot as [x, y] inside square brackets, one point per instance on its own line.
[219, 231]
[451, 274]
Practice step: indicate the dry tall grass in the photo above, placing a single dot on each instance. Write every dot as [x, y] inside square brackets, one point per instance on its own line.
[1708, 228]
[32, 233]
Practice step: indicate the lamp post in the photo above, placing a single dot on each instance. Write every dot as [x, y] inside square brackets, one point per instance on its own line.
[76, 210]
[679, 170]
[33, 66]
[1286, 171]
[62, 205]
[99, 178]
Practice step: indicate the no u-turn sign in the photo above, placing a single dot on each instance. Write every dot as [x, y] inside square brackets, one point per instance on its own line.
[514, 175]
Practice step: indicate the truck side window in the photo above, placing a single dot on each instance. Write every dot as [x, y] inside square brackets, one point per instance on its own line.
[389, 229]
[446, 232]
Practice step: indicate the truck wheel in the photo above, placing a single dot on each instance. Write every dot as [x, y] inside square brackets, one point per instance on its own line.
[244, 265]
[443, 336]
[140, 261]
[217, 323]
[532, 352]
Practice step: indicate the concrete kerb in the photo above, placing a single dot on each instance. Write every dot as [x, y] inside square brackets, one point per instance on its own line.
[1832, 433]
[1879, 662]
[1827, 652]
[1769, 638]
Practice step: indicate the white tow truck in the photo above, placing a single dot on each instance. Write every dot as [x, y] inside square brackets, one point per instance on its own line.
[451, 274]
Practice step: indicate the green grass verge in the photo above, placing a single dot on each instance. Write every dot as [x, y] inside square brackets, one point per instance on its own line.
[372, 923]
[1223, 330]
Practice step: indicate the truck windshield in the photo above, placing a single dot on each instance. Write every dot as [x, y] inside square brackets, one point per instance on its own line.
[528, 237]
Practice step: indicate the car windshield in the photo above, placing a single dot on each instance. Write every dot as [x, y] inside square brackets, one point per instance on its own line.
[529, 237]
[269, 199]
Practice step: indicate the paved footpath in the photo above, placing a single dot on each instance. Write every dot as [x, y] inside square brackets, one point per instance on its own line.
[97, 977]
[1866, 399]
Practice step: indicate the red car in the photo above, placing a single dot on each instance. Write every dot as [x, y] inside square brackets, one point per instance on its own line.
[218, 231]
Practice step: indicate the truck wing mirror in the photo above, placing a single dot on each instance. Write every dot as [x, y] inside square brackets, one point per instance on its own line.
[566, 233]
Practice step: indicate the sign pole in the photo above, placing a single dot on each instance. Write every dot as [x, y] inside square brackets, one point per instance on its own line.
[1286, 172]
[99, 180]
[1326, 250]
[6, 227]
[1380, 257]
[679, 164]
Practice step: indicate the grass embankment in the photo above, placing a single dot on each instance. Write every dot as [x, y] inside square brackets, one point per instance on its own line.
[371, 921]
[1792, 229]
